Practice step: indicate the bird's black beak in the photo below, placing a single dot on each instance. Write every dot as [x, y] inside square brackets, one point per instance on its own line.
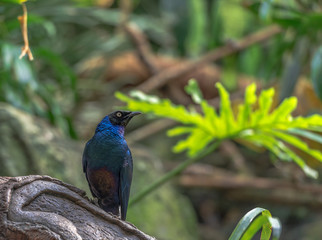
[128, 117]
[132, 114]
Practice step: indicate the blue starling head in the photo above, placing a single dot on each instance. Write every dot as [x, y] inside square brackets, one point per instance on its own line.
[121, 118]
[116, 121]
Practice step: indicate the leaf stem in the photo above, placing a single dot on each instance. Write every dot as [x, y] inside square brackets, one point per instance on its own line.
[173, 173]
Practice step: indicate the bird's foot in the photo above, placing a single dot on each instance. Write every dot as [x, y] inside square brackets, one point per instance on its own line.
[94, 201]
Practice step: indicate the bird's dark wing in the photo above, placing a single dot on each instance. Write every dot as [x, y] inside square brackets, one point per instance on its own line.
[125, 184]
[84, 162]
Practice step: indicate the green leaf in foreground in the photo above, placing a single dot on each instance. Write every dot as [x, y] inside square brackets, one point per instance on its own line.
[274, 129]
[253, 221]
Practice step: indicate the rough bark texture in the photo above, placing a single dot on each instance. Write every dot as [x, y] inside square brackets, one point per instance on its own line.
[40, 207]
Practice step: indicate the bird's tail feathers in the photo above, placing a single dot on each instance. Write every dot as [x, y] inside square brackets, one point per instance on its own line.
[109, 208]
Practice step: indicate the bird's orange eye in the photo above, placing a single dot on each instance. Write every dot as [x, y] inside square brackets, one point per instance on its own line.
[119, 114]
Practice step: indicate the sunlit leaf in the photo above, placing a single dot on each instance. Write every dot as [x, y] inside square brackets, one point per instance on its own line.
[311, 122]
[300, 162]
[270, 143]
[283, 111]
[211, 117]
[265, 102]
[194, 143]
[179, 131]
[296, 142]
[257, 123]
[226, 112]
[246, 108]
[144, 97]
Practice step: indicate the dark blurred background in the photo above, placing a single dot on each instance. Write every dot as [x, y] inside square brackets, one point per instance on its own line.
[86, 50]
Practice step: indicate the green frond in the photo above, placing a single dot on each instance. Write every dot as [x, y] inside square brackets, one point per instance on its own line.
[256, 122]
[211, 117]
[313, 122]
[160, 107]
[265, 101]
[296, 142]
[309, 135]
[179, 131]
[194, 143]
[253, 221]
[270, 143]
[299, 161]
[283, 112]
[228, 123]
[246, 108]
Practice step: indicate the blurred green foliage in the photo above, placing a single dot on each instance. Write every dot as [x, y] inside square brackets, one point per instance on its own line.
[13, 1]
[316, 72]
[65, 35]
[34, 86]
[197, 28]
[290, 56]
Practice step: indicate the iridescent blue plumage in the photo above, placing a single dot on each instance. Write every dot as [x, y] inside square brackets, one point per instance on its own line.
[107, 163]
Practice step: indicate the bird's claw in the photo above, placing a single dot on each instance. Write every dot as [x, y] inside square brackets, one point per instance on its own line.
[94, 201]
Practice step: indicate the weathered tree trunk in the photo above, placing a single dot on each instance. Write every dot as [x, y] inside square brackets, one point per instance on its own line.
[40, 207]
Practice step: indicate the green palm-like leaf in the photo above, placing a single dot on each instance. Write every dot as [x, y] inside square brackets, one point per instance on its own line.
[274, 129]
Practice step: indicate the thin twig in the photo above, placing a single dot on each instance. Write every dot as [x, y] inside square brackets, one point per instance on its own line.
[23, 24]
[168, 74]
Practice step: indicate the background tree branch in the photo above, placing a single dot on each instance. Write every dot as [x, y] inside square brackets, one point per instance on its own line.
[256, 189]
[162, 77]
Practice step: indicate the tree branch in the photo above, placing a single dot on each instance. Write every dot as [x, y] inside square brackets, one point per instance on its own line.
[253, 188]
[142, 46]
[41, 207]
